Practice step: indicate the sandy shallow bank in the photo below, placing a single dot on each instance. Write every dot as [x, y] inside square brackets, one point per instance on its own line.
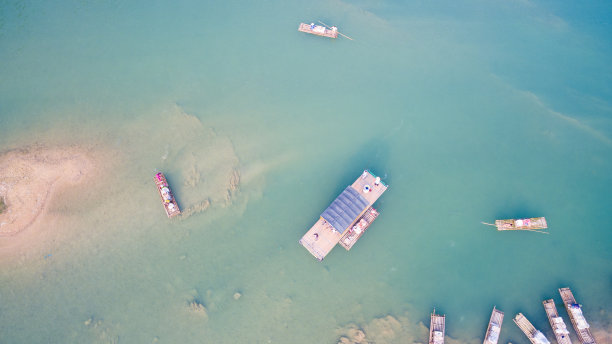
[30, 176]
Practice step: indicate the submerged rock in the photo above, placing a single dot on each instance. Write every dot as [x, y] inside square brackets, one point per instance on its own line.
[198, 308]
[197, 208]
[344, 340]
[92, 322]
[234, 181]
[359, 336]
[354, 336]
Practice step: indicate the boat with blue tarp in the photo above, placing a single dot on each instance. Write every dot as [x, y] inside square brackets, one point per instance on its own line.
[347, 217]
[574, 310]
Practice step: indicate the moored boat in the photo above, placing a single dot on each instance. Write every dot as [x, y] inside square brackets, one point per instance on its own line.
[356, 231]
[534, 336]
[556, 322]
[437, 327]
[574, 309]
[168, 200]
[531, 224]
[494, 328]
[319, 30]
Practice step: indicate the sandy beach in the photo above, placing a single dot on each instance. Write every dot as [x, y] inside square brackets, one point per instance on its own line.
[29, 177]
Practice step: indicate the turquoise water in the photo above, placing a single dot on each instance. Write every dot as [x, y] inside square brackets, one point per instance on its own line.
[470, 112]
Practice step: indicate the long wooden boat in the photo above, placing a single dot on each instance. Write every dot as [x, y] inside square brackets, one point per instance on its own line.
[319, 30]
[437, 326]
[534, 336]
[532, 224]
[495, 323]
[347, 218]
[581, 326]
[168, 200]
[556, 322]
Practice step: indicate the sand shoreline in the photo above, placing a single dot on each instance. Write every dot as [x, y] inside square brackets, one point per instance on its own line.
[31, 176]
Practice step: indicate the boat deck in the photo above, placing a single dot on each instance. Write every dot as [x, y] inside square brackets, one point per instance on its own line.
[437, 328]
[320, 239]
[578, 321]
[534, 336]
[318, 30]
[368, 179]
[521, 224]
[494, 328]
[556, 322]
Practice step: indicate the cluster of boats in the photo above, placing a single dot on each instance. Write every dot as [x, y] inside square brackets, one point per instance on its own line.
[574, 310]
[347, 218]
[352, 212]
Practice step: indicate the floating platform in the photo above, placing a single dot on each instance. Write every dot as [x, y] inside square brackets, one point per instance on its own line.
[494, 328]
[575, 313]
[319, 30]
[534, 336]
[168, 200]
[556, 322]
[437, 327]
[347, 218]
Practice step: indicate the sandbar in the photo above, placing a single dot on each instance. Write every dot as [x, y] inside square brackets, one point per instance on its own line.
[30, 176]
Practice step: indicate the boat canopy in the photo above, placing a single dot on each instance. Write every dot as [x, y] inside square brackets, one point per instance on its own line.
[493, 335]
[438, 337]
[319, 29]
[345, 209]
[581, 322]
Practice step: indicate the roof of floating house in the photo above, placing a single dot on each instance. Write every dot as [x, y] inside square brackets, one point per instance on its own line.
[345, 209]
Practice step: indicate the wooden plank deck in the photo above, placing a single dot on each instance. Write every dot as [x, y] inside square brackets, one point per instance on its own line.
[494, 328]
[437, 327]
[574, 310]
[368, 179]
[318, 30]
[353, 234]
[534, 336]
[320, 239]
[556, 322]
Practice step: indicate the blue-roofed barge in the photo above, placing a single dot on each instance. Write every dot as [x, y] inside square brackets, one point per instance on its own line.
[347, 218]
